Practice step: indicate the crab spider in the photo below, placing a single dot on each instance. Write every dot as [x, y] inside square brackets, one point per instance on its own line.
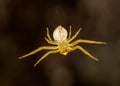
[64, 44]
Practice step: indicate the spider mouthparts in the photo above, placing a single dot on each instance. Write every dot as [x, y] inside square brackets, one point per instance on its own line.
[64, 52]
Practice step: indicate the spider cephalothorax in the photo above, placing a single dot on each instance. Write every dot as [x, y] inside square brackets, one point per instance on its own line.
[64, 44]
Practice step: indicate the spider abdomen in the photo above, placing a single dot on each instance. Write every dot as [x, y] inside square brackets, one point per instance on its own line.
[60, 34]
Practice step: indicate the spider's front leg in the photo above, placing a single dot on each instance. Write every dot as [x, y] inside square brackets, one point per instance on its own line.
[49, 52]
[86, 41]
[38, 49]
[85, 52]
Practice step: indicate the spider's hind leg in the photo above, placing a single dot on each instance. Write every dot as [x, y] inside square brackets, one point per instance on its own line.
[48, 35]
[69, 33]
[50, 41]
[74, 36]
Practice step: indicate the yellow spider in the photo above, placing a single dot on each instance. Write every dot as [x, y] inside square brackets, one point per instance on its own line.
[63, 44]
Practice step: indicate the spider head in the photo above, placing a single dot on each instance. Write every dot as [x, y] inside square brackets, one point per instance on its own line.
[65, 51]
[60, 34]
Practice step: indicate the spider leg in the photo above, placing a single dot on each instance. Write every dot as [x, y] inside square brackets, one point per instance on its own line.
[69, 33]
[50, 42]
[86, 41]
[44, 56]
[48, 35]
[37, 50]
[74, 35]
[85, 52]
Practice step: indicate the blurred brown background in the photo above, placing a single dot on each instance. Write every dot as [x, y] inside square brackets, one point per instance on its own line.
[23, 28]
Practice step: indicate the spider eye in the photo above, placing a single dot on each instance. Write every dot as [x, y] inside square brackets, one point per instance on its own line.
[60, 33]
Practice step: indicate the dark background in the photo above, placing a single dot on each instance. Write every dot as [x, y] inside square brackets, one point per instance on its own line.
[23, 26]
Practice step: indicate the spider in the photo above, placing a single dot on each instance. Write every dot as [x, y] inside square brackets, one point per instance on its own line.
[62, 44]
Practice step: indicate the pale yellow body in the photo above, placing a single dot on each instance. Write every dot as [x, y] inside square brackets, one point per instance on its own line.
[63, 44]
